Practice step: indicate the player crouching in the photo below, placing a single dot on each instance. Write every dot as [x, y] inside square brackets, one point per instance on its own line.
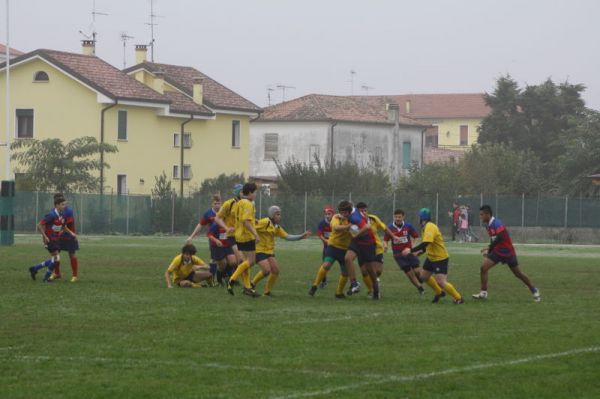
[186, 269]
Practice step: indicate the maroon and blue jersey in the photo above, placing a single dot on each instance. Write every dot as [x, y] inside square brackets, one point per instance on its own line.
[359, 219]
[324, 230]
[53, 223]
[402, 234]
[219, 233]
[208, 218]
[504, 247]
[69, 218]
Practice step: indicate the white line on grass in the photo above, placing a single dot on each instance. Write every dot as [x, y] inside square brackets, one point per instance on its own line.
[425, 376]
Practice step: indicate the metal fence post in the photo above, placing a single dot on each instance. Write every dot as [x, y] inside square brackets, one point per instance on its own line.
[260, 203]
[437, 207]
[523, 210]
[393, 204]
[37, 208]
[480, 205]
[305, 208]
[127, 214]
[566, 210]
[81, 213]
[496, 207]
[173, 212]
[350, 196]
[110, 213]
[580, 209]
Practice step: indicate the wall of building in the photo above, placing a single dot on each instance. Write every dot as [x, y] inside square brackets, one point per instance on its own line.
[449, 130]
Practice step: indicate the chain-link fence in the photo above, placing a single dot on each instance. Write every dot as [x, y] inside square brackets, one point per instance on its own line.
[136, 214]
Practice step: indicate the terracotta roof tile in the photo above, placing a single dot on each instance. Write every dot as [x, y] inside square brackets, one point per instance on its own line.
[317, 107]
[215, 94]
[458, 105]
[13, 51]
[182, 104]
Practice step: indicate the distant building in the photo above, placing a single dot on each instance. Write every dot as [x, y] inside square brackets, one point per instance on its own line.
[368, 131]
[11, 52]
[142, 111]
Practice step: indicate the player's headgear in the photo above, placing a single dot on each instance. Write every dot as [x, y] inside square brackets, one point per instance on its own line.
[273, 209]
[424, 214]
[237, 189]
[328, 209]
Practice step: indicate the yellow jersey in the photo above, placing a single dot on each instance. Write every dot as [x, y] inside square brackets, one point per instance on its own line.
[436, 250]
[226, 213]
[243, 210]
[267, 231]
[180, 270]
[339, 239]
[376, 226]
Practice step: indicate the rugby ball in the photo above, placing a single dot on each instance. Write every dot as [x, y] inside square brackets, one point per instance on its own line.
[354, 229]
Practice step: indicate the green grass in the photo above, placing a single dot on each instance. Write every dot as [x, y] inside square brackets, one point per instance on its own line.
[120, 332]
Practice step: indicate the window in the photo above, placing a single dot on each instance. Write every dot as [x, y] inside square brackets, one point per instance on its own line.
[187, 172]
[406, 150]
[314, 154]
[121, 184]
[24, 123]
[235, 134]
[378, 157]
[187, 140]
[122, 128]
[271, 146]
[431, 136]
[464, 135]
[41, 76]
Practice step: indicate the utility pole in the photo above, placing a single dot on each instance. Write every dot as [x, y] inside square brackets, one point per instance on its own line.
[352, 74]
[124, 38]
[7, 144]
[283, 88]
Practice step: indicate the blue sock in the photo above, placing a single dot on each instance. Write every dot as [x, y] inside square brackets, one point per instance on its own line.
[48, 274]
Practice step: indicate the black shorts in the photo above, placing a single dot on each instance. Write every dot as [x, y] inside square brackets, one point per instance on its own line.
[379, 258]
[333, 254]
[220, 253]
[365, 253]
[511, 261]
[53, 246]
[69, 245]
[437, 267]
[260, 256]
[231, 241]
[323, 254]
[407, 262]
[247, 246]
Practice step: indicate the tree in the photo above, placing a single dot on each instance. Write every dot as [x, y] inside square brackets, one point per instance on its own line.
[222, 184]
[53, 166]
[162, 203]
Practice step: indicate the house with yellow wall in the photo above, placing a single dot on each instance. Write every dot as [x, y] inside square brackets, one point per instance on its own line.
[141, 110]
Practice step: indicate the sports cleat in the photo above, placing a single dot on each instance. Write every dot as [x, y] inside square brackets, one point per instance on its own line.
[536, 295]
[33, 272]
[323, 283]
[54, 277]
[437, 298]
[196, 285]
[370, 295]
[376, 295]
[251, 293]
[269, 294]
[74, 279]
[340, 296]
[252, 285]
[459, 301]
[481, 295]
[312, 290]
[230, 288]
[421, 291]
[354, 288]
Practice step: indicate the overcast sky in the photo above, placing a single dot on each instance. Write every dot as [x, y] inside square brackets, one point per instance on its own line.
[395, 46]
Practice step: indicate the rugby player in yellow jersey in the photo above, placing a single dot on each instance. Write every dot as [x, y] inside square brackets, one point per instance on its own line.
[337, 245]
[268, 228]
[246, 238]
[186, 269]
[226, 219]
[380, 247]
[436, 262]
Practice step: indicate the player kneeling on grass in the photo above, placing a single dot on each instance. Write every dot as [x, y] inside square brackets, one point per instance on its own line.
[437, 259]
[268, 228]
[186, 269]
[500, 250]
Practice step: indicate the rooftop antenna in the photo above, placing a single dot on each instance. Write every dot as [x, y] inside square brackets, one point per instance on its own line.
[269, 91]
[152, 24]
[283, 88]
[366, 88]
[93, 34]
[124, 38]
[352, 73]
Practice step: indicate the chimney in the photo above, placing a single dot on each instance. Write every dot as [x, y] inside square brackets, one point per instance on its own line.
[88, 47]
[408, 106]
[140, 53]
[393, 112]
[198, 92]
[159, 81]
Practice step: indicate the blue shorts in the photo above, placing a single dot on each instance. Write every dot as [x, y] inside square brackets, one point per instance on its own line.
[407, 262]
[365, 253]
[511, 261]
[190, 276]
[247, 246]
[333, 254]
[260, 256]
[70, 245]
[220, 253]
[437, 267]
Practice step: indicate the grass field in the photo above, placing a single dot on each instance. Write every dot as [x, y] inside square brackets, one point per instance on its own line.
[119, 332]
